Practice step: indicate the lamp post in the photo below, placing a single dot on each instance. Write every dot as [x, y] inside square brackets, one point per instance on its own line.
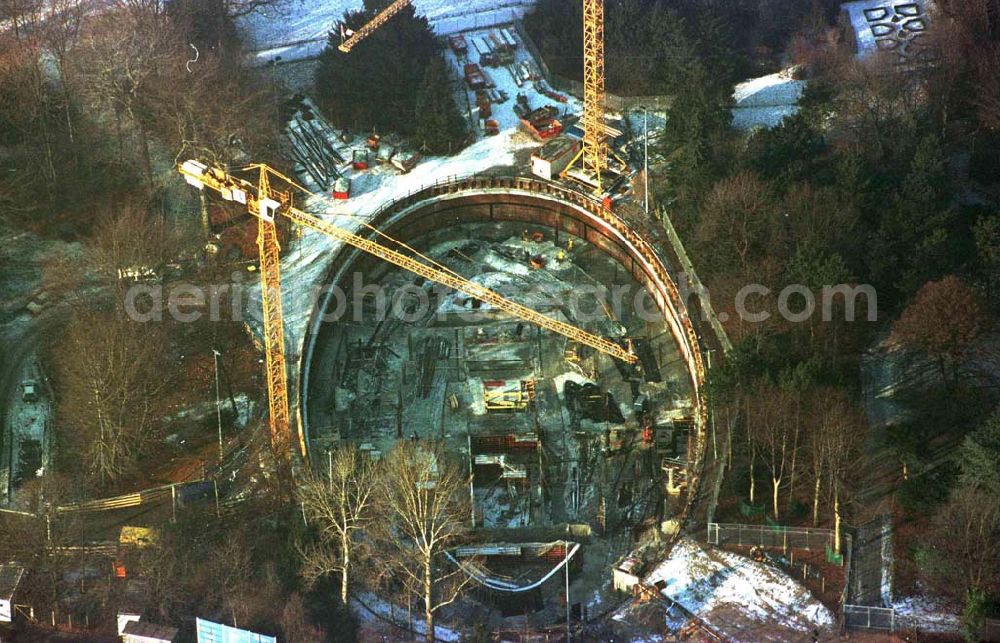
[218, 399]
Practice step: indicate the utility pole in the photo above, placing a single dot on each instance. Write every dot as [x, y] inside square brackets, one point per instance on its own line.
[566, 569]
[218, 400]
[645, 158]
[472, 489]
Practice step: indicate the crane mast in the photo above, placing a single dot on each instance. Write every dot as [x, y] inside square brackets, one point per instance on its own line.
[265, 203]
[383, 16]
[269, 251]
[592, 158]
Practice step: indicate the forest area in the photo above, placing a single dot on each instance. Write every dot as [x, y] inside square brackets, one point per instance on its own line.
[883, 179]
[96, 108]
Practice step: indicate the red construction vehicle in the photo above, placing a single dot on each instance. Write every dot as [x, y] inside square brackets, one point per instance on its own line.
[342, 188]
[474, 76]
[458, 45]
[541, 123]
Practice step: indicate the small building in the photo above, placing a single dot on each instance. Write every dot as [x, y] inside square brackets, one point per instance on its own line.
[142, 632]
[625, 575]
[553, 157]
[10, 578]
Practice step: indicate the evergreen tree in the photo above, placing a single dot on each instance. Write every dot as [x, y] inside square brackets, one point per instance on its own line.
[376, 85]
[438, 126]
[979, 457]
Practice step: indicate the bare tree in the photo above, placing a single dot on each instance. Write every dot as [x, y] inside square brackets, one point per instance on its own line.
[128, 240]
[110, 370]
[118, 59]
[339, 507]
[295, 622]
[21, 15]
[964, 541]
[424, 506]
[772, 425]
[814, 443]
[842, 431]
[944, 321]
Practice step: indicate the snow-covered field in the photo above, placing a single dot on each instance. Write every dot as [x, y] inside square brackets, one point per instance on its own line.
[297, 29]
[739, 598]
[766, 101]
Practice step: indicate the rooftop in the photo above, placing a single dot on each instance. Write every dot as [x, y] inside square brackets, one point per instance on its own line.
[150, 630]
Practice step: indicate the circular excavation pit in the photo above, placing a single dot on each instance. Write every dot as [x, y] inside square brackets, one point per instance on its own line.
[554, 433]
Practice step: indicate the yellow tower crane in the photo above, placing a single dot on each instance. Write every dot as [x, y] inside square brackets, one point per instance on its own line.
[592, 158]
[264, 202]
[373, 24]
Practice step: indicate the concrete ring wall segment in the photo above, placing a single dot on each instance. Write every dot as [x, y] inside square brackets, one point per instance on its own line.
[527, 200]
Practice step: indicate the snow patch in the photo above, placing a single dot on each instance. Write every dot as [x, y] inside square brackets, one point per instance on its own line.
[731, 593]
[928, 614]
[396, 614]
[766, 101]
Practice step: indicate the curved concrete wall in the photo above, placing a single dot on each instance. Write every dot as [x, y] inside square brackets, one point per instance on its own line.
[539, 203]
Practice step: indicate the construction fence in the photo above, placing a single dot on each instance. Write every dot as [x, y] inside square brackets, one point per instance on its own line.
[772, 536]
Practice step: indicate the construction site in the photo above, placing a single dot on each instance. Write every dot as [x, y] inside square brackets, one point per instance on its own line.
[331, 320]
[513, 317]
[554, 432]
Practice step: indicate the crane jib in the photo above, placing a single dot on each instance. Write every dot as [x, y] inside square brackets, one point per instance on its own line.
[233, 188]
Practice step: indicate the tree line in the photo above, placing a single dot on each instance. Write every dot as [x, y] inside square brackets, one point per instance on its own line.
[655, 47]
[883, 178]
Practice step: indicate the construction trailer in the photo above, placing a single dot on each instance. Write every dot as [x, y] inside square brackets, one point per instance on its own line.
[550, 159]
[542, 123]
[142, 632]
